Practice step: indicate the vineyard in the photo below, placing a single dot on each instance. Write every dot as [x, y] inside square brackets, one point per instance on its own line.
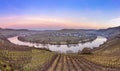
[33, 59]
[41, 60]
[25, 59]
[14, 60]
[77, 63]
[105, 61]
[38, 59]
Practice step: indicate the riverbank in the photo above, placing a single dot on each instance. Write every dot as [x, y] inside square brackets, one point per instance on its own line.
[74, 48]
[56, 40]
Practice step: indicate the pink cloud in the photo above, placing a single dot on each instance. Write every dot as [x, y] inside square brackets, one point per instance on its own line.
[39, 22]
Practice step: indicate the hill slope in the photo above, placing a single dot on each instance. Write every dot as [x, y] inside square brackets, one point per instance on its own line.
[111, 47]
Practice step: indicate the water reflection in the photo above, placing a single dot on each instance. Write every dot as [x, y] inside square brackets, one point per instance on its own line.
[72, 48]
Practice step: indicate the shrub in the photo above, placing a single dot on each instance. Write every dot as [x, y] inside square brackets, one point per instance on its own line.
[86, 51]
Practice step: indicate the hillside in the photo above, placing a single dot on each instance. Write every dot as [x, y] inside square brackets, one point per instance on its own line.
[109, 32]
[111, 47]
[22, 58]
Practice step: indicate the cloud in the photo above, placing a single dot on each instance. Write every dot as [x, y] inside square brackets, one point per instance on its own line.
[114, 22]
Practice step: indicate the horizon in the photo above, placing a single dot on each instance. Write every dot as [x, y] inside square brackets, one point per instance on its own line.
[59, 14]
[56, 29]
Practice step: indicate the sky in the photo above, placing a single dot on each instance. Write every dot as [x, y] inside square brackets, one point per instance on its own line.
[59, 14]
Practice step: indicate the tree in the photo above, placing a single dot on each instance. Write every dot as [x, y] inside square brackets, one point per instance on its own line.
[86, 51]
[79, 51]
[68, 42]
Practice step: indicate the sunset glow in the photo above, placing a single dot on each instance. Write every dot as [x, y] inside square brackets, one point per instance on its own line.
[59, 14]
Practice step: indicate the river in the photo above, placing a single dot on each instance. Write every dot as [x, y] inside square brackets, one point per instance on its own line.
[62, 48]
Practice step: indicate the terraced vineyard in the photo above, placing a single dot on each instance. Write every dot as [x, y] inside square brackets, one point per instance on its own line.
[76, 63]
[23, 59]
[39, 59]
[106, 61]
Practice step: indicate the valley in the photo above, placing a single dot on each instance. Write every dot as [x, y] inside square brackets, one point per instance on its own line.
[15, 57]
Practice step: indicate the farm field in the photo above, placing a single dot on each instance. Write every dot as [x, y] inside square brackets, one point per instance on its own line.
[106, 61]
[110, 48]
[77, 63]
[25, 59]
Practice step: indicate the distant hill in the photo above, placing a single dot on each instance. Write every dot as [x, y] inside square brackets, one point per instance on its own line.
[77, 30]
[14, 29]
[109, 32]
[111, 28]
[115, 28]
